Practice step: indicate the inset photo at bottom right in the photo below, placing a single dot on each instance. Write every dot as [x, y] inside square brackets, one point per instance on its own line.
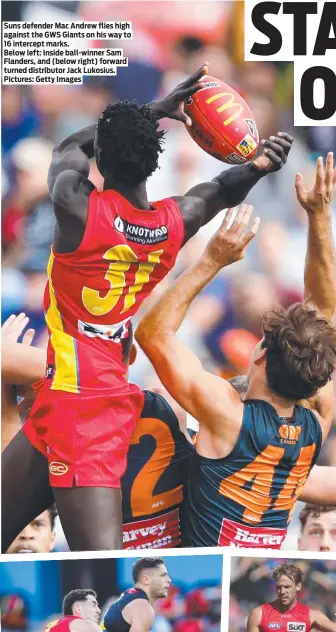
[282, 595]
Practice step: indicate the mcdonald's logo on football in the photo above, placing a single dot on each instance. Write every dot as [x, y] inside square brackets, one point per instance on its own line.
[289, 434]
[230, 103]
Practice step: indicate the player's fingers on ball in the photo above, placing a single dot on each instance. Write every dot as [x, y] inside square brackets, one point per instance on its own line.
[196, 76]
[28, 337]
[277, 160]
[274, 146]
[8, 322]
[286, 137]
[286, 145]
[188, 92]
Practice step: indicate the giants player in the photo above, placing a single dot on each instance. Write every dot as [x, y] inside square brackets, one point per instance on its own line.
[286, 613]
[80, 613]
[253, 457]
[134, 610]
[110, 250]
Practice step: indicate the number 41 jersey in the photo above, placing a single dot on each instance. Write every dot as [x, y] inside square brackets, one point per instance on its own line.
[94, 291]
[246, 499]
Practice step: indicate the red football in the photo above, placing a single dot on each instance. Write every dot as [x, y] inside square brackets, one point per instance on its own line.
[222, 122]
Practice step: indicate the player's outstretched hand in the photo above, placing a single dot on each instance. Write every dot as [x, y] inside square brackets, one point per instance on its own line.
[275, 153]
[13, 327]
[172, 106]
[318, 198]
[229, 244]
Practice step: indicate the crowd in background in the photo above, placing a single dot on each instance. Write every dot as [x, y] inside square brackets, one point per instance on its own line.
[252, 585]
[169, 43]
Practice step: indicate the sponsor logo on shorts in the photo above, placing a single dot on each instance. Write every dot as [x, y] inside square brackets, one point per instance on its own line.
[236, 535]
[114, 333]
[58, 469]
[289, 434]
[235, 159]
[247, 145]
[141, 234]
[296, 627]
[274, 626]
[161, 532]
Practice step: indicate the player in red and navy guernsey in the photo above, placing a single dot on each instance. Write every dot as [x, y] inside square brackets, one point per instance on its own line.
[110, 250]
[134, 610]
[253, 457]
[80, 613]
[286, 613]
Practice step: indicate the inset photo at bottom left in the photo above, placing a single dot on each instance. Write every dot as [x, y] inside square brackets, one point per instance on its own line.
[173, 594]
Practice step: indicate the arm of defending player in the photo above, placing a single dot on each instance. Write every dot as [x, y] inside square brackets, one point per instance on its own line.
[321, 621]
[320, 488]
[320, 267]
[21, 364]
[254, 620]
[197, 391]
[231, 187]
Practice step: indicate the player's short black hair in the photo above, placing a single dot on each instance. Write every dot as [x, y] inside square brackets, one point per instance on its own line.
[292, 571]
[128, 142]
[52, 515]
[75, 595]
[144, 564]
[312, 510]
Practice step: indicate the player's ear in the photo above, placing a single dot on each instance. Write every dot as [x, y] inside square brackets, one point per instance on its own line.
[260, 355]
[298, 587]
[133, 354]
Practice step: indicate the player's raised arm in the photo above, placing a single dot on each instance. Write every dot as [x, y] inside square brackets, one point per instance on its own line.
[321, 621]
[177, 366]
[320, 268]
[254, 620]
[231, 187]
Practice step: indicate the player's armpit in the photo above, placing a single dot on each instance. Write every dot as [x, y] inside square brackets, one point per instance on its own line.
[22, 365]
[320, 487]
[321, 621]
[254, 621]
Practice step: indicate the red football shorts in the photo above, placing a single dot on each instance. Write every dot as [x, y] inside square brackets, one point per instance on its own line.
[84, 437]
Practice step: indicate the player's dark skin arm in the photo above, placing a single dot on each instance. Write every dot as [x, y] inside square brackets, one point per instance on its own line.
[202, 203]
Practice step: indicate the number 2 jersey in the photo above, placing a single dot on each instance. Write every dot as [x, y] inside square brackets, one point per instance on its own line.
[94, 291]
[295, 620]
[153, 486]
[246, 499]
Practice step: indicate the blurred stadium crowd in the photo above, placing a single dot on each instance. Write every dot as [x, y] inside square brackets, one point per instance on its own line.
[30, 604]
[169, 42]
[252, 585]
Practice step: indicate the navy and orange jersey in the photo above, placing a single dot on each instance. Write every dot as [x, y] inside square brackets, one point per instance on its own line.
[297, 619]
[60, 625]
[246, 499]
[113, 619]
[157, 473]
[93, 292]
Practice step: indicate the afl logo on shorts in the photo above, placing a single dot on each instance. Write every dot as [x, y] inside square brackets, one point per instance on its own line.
[58, 469]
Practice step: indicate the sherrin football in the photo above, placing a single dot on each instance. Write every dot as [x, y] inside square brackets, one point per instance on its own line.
[222, 122]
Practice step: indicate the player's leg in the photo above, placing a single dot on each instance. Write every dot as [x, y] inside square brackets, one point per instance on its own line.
[91, 517]
[26, 492]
